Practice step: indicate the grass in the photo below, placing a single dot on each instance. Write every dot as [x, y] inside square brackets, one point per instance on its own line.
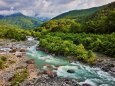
[19, 77]
[3, 60]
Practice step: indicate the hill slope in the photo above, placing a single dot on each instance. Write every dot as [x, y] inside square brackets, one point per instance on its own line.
[104, 12]
[80, 15]
[87, 14]
[20, 20]
[103, 21]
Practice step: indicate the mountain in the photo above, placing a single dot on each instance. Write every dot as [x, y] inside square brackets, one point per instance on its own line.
[80, 15]
[43, 19]
[86, 14]
[20, 20]
[102, 21]
[104, 12]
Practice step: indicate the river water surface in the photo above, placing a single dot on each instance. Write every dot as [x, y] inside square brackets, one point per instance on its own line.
[84, 73]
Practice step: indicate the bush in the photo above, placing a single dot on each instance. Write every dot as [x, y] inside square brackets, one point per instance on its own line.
[2, 65]
[19, 77]
[91, 57]
[3, 58]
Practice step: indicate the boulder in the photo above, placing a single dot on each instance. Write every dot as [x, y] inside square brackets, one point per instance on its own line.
[50, 73]
[13, 50]
[31, 61]
[49, 66]
[113, 69]
[110, 65]
[22, 50]
[106, 69]
[19, 55]
[70, 71]
[86, 84]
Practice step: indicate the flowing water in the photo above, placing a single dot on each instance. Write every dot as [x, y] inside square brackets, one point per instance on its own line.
[84, 73]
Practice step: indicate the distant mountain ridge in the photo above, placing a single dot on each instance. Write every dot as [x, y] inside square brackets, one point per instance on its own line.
[79, 15]
[20, 20]
[86, 14]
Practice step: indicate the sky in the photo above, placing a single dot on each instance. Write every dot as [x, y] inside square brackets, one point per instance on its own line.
[46, 8]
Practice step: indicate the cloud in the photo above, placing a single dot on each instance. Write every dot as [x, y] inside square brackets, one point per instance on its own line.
[46, 8]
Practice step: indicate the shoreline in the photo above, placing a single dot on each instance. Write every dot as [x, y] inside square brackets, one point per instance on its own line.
[104, 62]
[35, 75]
[21, 62]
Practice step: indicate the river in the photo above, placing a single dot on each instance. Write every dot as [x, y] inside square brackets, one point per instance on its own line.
[84, 73]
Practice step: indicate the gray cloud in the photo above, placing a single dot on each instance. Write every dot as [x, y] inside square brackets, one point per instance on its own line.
[46, 8]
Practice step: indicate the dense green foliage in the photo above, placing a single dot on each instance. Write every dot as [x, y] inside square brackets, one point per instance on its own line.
[21, 21]
[13, 32]
[79, 15]
[104, 43]
[62, 25]
[58, 46]
[102, 21]
[3, 60]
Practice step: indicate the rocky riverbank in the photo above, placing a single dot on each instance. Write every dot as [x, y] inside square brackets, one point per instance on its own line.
[44, 80]
[13, 61]
[17, 62]
[106, 63]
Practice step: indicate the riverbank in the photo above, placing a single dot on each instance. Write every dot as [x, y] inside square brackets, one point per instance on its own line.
[104, 62]
[14, 63]
[19, 69]
[16, 53]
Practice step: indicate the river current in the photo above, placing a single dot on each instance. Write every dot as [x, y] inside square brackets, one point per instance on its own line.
[84, 73]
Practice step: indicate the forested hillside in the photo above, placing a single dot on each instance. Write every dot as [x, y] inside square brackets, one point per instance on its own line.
[20, 20]
[79, 15]
[14, 32]
[63, 36]
[102, 21]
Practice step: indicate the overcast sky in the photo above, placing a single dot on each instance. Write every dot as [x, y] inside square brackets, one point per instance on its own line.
[46, 8]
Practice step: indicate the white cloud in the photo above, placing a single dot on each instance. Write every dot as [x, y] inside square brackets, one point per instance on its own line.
[47, 8]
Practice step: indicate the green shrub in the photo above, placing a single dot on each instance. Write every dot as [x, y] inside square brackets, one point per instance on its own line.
[3, 58]
[2, 64]
[19, 77]
[91, 57]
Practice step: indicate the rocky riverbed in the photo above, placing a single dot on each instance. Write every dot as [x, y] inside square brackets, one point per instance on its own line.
[44, 80]
[17, 53]
[106, 63]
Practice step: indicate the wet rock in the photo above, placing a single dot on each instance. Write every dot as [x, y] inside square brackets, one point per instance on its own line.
[31, 61]
[48, 66]
[86, 84]
[110, 65]
[70, 71]
[13, 50]
[50, 73]
[44, 80]
[113, 69]
[22, 50]
[106, 69]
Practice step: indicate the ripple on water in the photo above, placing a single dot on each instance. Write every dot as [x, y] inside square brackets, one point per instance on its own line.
[86, 74]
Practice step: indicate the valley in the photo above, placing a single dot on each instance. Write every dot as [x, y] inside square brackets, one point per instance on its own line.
[76, 48]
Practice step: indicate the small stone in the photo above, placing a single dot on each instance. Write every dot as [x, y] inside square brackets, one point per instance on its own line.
[22, 50]
[70, 71]
[31, 61]
[86, 84]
